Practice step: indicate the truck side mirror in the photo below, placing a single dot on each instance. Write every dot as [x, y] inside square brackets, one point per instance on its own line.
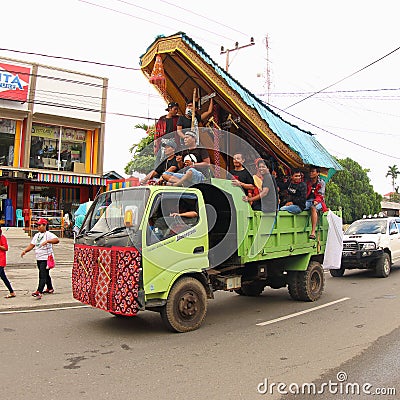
[394, 232]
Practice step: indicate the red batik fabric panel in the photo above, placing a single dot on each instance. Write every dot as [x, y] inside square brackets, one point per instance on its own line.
[83, 273]
[102, 288]
[125, 273]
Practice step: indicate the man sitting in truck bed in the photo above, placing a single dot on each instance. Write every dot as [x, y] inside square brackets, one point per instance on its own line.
[296, 191]
[169, 163]
[196, 162]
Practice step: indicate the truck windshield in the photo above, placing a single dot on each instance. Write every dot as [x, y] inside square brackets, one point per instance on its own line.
[367, 227]
[109, 211]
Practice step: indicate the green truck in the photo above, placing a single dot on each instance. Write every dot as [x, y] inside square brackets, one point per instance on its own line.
[134, 253]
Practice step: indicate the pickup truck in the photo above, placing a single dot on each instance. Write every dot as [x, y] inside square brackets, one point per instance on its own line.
[131, 255]
[371, 243]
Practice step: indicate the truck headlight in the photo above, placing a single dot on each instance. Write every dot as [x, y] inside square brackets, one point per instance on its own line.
[369, 246]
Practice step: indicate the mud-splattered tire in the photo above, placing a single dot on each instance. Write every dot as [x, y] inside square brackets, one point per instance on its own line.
[310, 283]
[293, 284]
[383, 266]
[186, 306]
[337, 273]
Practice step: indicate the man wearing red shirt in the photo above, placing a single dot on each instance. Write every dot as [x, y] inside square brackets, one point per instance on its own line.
[166, 124]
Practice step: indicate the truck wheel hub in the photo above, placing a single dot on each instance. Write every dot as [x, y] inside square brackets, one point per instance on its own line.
[188, 304]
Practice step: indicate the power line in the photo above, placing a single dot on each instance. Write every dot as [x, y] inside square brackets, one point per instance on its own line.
[74, 107]
[332, 92]
[334, 134]
[71, 59]
[341, 80]
[202, 16]
[140, 18]
[76, 82]
[173, 18]
[365, 131]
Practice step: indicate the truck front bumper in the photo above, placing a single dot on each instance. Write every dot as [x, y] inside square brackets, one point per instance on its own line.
[362, 259]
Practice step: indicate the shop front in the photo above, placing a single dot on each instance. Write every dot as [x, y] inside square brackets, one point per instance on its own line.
[42, 193]
[51, 150]
[59, 147]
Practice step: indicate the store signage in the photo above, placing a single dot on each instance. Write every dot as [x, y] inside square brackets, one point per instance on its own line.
[53, 132]
[18, 174]
[31, 175]
[14, 82]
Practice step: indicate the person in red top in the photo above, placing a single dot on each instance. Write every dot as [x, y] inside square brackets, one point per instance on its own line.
[315, 197]
[3, 263]
[166, 124]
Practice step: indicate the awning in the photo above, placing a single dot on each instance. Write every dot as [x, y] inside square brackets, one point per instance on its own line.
[71, 179]
[36, 175]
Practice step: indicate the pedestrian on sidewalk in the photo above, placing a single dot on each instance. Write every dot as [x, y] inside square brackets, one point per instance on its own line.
[3, 263]
[42, 242]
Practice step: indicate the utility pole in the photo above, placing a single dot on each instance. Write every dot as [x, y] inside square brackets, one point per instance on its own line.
[237, 47]
[268, 69]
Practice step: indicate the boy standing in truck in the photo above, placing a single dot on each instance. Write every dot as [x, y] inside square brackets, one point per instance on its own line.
[315, 197]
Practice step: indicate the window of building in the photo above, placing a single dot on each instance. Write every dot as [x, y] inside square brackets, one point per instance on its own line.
[7, 138]
[54, 198]
[49, 152]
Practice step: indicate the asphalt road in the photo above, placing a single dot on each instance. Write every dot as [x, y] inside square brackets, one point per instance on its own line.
[87, 354]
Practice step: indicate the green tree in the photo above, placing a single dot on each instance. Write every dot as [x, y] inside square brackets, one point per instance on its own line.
[142, 153]
[393, 172]
[351, 190]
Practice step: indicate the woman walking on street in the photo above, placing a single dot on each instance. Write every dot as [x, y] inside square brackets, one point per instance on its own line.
[3, 263]
[42, 242]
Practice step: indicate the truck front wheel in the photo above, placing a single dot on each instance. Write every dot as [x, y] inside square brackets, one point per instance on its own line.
[310, 283]
[382, 267]
[186, 306]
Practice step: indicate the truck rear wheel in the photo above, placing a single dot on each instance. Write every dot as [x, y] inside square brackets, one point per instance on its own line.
[310, 283]
[293, 284]
[186, 306]
[382, 267]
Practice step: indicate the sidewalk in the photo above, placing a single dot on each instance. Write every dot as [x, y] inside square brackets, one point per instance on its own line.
[23, 275]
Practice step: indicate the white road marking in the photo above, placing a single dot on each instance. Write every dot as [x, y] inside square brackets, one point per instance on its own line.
[272, 321]
[41, 310]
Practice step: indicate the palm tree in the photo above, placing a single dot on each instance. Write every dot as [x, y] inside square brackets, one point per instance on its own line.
[393, 172]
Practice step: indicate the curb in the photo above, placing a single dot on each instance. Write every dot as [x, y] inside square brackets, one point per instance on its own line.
[43, 306]
[60, 264]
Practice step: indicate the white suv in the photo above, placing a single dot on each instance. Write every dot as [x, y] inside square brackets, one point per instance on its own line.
[371, 243]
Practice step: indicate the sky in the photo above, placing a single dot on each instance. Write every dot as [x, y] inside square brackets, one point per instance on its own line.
[311, 45]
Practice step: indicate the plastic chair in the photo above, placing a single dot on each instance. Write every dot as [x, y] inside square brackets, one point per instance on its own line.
[19, 217]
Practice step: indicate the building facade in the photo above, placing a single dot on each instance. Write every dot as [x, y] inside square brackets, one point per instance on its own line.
[51, 139]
